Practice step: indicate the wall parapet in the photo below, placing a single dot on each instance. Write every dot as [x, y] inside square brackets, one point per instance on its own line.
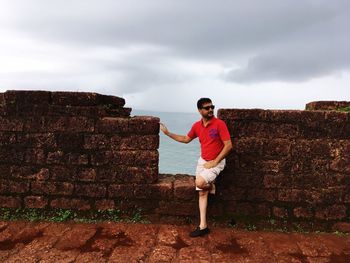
[83, 151]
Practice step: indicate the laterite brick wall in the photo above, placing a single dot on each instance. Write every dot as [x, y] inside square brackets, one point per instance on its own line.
[72, 150]
[289, 165]
[79, 150]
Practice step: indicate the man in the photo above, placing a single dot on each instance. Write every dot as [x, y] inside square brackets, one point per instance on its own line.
[215, 145]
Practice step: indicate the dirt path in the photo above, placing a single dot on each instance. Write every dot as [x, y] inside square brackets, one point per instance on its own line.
[119, 242]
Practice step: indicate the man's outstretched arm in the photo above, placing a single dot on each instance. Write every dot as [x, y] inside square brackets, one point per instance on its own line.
[176, 137]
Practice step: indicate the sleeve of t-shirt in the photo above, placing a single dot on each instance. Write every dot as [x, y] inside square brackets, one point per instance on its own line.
[192, 133]
[223, 132]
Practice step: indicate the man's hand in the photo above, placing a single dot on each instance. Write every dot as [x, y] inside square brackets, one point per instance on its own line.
[210, 164]
[164, 129]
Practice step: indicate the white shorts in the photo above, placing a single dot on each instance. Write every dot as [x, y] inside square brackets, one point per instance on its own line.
[210, 174]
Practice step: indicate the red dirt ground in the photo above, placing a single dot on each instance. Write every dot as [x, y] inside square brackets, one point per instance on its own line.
[120, 242]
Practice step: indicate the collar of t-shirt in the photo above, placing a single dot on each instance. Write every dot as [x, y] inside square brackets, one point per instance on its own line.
[209, 122]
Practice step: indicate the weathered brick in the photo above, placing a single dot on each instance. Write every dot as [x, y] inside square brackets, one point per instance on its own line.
[7, 124]
[56, 157]
[96, 141]
[134, 142]
[342, 227]
[69, 98]
[16, 187]
[90, 190]
[255, 194]
[86, 174]
[280, 212]
[121, 190]
[52, 188]
[104, 204]
[144, 125]
[146, 158]
[341, 164]
[37, 140]
[112, 125]
[35, 156]
[63, 173]
[178, 208]
[11, 155]
[7, 138]
[74, 203]
[35, 202]
[102, 157]
[69, 124]
[184, 188]
[303, 212]
[29, 172]
[70, 141]
[291, 195]
[10, 201]
[26, 97]
[140, 175]
[77, 159]
[162, 190]
[4, 171]
[331, 212]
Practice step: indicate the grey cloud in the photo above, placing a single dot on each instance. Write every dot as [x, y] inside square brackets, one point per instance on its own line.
[273, 37]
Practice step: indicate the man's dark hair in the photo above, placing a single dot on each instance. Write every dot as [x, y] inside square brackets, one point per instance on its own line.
[202, 101]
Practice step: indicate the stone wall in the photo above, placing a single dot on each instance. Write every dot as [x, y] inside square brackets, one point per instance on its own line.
[83, 151]
[288, 165]
[326, 105]
[72, 150]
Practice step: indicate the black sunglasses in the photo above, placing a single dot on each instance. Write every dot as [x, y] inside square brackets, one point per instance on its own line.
[209, 107]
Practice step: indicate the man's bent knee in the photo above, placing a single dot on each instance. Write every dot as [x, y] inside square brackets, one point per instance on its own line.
[200, 182]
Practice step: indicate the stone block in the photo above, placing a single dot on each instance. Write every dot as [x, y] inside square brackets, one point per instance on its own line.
[86, 174]
[140, 158]
[96, 141]
[35, 202]
[10, 201]
[112, 125]
[134, 142]
[280, 212]
[291, 195]
[11, 155]
[77, 159]
[29, 173]
[52, 188]
[5, 171]
[144, 125]
[121, 191]
[140, 175]
[90, 190]
[35, 156]
[70, 141]
[335, 212]
[63, 173]
[303, 212]
[104, 204]
[7, 138]
[185, 188]
[67, 98]
[178, 208]
[70, 203]
[37, 140]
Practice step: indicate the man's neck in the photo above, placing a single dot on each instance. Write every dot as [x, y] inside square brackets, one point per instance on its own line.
[206, 120]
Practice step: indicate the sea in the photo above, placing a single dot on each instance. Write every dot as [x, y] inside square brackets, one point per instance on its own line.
[175, 157]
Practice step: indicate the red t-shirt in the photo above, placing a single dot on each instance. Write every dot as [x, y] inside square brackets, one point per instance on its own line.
[211, 137]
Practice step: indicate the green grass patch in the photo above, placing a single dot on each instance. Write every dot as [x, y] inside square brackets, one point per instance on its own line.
[63, 215]
[346, 109]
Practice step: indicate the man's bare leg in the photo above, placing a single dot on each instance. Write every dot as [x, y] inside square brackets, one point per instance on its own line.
[203, 203]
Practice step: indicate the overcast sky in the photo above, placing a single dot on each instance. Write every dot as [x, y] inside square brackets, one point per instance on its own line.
[163, 55]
